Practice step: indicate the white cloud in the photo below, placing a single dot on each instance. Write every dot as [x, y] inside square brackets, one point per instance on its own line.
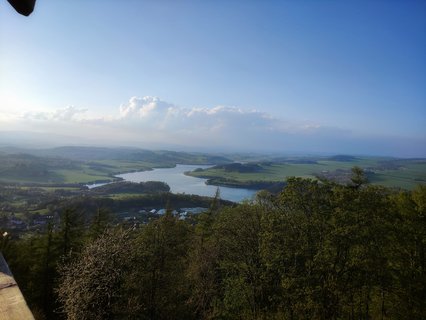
[69, 113]
[153, 113]
[143, 107]
[149, 121]
[148, 114]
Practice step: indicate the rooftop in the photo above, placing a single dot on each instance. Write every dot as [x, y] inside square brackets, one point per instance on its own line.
[12, 302]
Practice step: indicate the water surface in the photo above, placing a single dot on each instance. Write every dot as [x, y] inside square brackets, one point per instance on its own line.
[180, 183]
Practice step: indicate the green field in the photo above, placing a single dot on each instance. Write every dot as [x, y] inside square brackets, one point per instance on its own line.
[86, 165]
[407, 176]
[77, 176]
[33, 171]
[82, 165]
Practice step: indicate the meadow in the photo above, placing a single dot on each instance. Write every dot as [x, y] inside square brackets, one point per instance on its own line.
[404, 174]
[76, 166]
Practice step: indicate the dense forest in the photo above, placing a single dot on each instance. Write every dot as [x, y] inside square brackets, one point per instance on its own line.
[315, 250]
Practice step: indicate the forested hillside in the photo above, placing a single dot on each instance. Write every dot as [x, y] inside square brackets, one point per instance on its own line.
[316, 250]
[69, 166]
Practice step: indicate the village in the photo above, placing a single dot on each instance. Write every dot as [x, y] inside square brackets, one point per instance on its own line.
[16, 224]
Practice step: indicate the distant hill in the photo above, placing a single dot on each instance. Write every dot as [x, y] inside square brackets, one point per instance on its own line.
[80, 165]
[342, 158]
[30, 168]
[132, 154]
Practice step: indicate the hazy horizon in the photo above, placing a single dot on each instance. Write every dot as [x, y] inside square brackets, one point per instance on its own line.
[281, 77]
[26, 141]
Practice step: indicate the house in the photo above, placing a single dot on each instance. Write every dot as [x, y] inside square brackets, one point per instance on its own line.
[162, 211]
[195, 210]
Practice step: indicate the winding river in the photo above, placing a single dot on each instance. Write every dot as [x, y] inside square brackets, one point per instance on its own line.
[180, 183]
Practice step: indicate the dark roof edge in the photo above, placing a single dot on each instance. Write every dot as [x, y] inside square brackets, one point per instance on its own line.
[4, 268]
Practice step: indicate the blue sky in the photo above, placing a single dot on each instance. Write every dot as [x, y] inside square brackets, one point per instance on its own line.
[296, 76]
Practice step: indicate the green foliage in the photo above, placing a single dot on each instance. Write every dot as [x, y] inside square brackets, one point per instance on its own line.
[70, 235]
[161, 255]
[409, 248]
[90, 286]
[203, 268]
[358, 177]
[131, 187]
[100, 222]
[317, 250]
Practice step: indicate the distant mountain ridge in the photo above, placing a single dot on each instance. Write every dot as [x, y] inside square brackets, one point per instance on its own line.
[85, 153]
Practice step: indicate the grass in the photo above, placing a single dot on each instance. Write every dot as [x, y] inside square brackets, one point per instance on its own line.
[51, 189]
[407, 177]
[121, 166]
[40, 211]
[27, 170]
[77, 176]
[274, 172]
[29, 179]
[89, 172]
[123, 196]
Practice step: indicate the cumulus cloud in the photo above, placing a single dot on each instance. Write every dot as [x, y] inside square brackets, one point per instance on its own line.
[143, 107]
[149, 119]
[150, 122]
[69, 113]
[154, 113]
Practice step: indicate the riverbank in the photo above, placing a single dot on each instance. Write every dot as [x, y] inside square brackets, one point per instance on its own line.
[252, 185]
[180, 182]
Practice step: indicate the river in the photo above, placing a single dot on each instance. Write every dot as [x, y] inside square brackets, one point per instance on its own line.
[180, 183]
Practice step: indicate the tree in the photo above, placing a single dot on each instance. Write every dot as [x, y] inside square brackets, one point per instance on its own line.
[159, 283]
[70, 234]
[358, 177]
[203, 267]
[90, 286]
[244, 287]
[408, 259]
[100, 222]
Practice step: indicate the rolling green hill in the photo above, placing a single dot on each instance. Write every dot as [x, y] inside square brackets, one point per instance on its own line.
[80, 165]
[400, 173]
